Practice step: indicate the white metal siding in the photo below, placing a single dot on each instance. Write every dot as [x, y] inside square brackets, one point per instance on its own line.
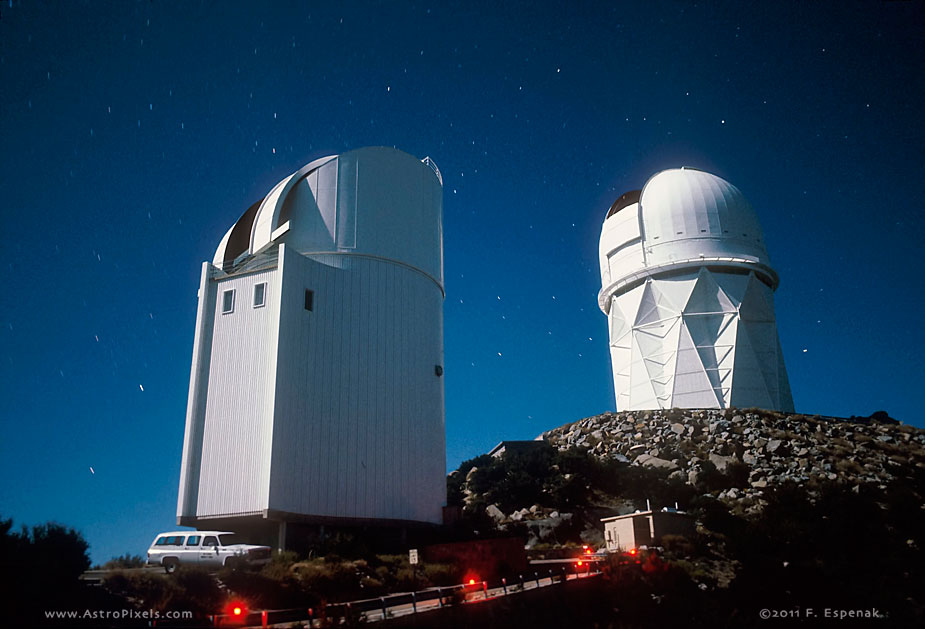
[234, 473]
[359, 425]
[335, 412]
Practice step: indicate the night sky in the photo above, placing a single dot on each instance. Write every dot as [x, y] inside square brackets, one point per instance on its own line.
[133, 134]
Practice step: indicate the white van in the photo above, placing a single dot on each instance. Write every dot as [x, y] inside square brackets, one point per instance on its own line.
[209, 549]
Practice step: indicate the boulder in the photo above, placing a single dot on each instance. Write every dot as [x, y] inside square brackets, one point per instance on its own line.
[721, 461]
[648, 460]
[495, 513]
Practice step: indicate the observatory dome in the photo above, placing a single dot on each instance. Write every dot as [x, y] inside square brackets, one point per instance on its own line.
[336, 204]
[687, 213]
[687, 287]
[682, 218]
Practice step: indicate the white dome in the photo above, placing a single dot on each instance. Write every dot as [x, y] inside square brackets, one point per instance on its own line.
[373, 201]
[687, 213]
[681, 219]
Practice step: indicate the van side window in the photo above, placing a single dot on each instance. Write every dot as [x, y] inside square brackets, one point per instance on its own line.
[162, 541]
[211, 540]
[193, 540]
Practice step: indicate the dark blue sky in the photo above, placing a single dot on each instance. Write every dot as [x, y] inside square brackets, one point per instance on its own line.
[132, 134]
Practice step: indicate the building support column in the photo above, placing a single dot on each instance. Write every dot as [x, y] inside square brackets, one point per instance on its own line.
[281, 537]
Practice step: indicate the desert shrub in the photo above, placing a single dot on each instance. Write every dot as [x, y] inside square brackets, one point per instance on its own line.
[189, 589]
[846, 465]
[737, 473]
[280, 565]
[694, 570]
[270, 588]
[125, 561]
[677, 544]
[441, 574]
[41, 566]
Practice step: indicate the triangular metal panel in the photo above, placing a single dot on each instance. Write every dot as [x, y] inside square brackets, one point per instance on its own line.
[733, 286]
[628, 303]
[619, 326]
[641, 392]
[676, 291]
[755, 305]
[763, 339]
[785, 396]
[748, 383]
[690, 374]
[707, 296]
[654, 306]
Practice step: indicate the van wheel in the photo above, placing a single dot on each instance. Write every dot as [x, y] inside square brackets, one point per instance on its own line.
[170, 565]
[232, 562]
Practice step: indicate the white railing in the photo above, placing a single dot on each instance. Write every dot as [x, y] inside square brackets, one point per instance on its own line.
[433, 166]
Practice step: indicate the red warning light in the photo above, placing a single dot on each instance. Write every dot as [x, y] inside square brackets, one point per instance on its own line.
[471, 581]
[587, 551]
[580, 562]
[237, 610]
[633, 551]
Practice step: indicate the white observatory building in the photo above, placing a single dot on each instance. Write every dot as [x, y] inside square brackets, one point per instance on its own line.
[316, 394]
[688, 290]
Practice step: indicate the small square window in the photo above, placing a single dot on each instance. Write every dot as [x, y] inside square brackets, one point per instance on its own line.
[309, 299]
[260, 295]
[228, 301]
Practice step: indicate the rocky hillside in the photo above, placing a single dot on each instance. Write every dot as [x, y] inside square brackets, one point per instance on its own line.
[612, 463]
[760, 447]
[787, 508]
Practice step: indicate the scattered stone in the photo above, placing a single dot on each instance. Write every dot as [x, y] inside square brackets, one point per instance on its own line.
[648, 460]
[517, 516]
[858, 452]
[495, 513]
[721, 461]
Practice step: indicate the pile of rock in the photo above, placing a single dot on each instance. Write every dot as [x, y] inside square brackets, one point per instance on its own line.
[770, 447]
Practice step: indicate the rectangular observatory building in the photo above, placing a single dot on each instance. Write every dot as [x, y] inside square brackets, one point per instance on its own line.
[316, 391]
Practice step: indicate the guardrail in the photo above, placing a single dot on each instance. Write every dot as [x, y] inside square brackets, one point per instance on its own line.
[406, 603]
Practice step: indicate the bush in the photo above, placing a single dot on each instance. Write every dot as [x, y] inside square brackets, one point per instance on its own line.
[123, 562]
[271, 588]
[41, 566]
[189, 589]
[677, 545]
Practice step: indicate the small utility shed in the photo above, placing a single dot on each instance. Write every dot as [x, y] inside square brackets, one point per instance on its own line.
[625, 532]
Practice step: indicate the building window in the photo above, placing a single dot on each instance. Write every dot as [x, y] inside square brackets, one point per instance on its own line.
[228, 301]
[260, 295]
[309, 300]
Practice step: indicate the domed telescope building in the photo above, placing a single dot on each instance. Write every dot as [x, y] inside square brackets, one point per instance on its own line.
[688, 290]
[316, 393]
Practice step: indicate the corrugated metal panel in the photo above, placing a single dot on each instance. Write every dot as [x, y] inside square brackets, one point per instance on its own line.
[195, 409]
[234, 473]
[358, 430]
